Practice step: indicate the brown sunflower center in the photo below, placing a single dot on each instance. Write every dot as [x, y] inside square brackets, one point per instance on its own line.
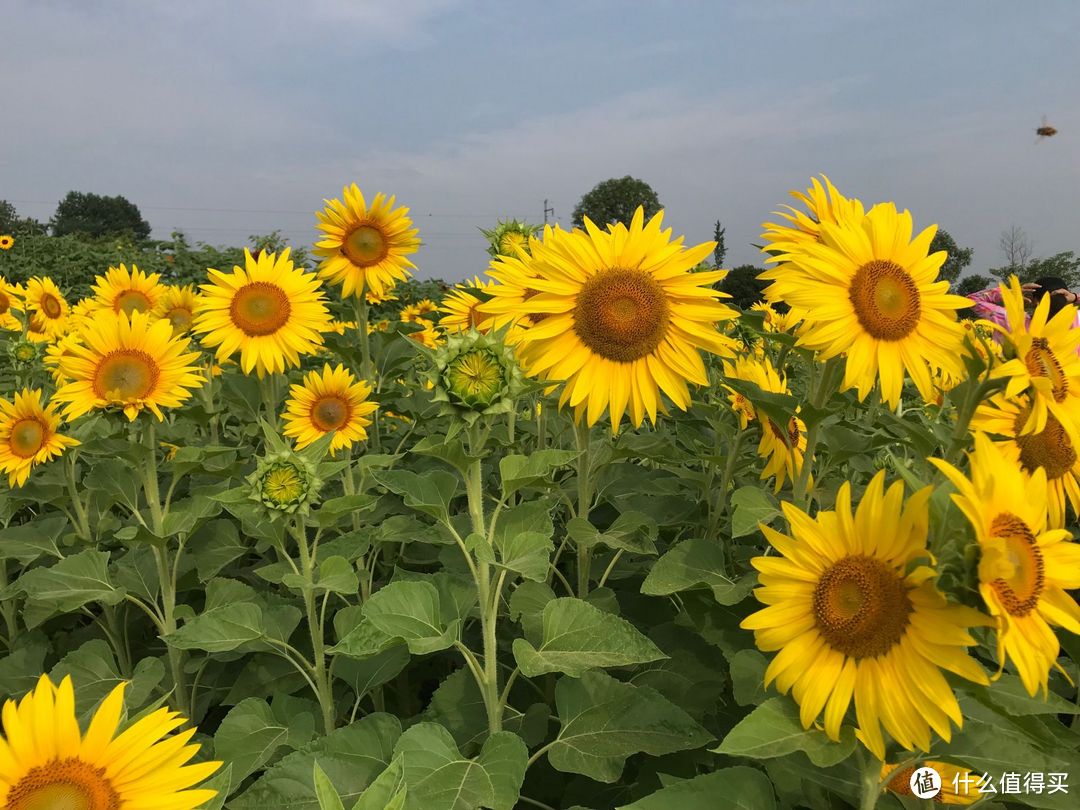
[5, 302]
[861, 607]
[27, 437]
[260, 309]
[66, 784]
[1041, 362]
[50, 305]
[901, 783]
[180, 318]
[621, 315]
[1050, 449]
[885, 299]
[125, 375]
[330, 413]
[366, 245]
[1019, 594]
[132, 301]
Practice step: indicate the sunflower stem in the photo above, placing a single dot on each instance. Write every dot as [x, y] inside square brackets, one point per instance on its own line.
[269, 388]
[367, 368]
[871, 781]
[323, 690]
[584, 502]
[82, 520]
[489, 599]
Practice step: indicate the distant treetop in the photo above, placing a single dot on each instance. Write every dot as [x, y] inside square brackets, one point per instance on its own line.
[615, 200]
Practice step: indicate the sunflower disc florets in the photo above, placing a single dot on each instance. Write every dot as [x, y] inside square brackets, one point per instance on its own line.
[286, 483]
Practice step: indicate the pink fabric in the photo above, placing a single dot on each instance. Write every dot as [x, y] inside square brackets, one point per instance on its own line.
[987, 304]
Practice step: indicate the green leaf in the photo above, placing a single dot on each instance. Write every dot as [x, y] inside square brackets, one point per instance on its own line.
[440, 778]
[361, 638]
[578, 637]
[214, 545]
[523, 538]
[693, 563]
[222, 783]
[351, 757]
[519, 471]
[220, 629]
[94, 672]
[248, 737]
[68, 585]
[20, 670]
[743, 788]
[459, 706]
[324, 791]
[527, 606]
[1008, 694]
[387, 792]
[411, 611]
[29, 541]
[773, 729]
[184, 516]
[752, 505]
[631, 531]
[136, 572]
[429, 493]
[332, 510]
[450, 451]
[336, 575]
[748, 677]
[604, 721]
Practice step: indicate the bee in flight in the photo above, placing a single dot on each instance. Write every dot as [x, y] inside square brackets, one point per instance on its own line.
[1045, 131]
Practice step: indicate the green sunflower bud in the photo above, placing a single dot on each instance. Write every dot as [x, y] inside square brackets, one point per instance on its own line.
[285, 482]
[23, 352]
[476, 375]
[509, 237]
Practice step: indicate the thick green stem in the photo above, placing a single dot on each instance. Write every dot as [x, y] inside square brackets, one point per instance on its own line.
[826, 386]
[584, 503]
[323, 689]
[9, 610]
[82, 520]
[269, 388]
[367, 368]
[871, 782]
[489, 606]
[166, 576]
[207, 395]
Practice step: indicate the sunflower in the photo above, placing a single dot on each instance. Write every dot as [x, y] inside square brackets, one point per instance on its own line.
[958, 785]
[868, 290]
[1024, 567]
[429, 336]
[825, 205]
[625, 318]
[10, 303]
[121, 290]
[364, 247]
[854, 616]
[178, 306]
[512, 287]
[55, 353]
[329, 401]
[340, 327]
[127, 361]
[47, 307]
[1050, 449]
[782, 446]
[7, 241]
[28, 435]
[774, 321]
[48, 763]
[269, 311]
[374, 298]
[1045, 362]
[461, 308]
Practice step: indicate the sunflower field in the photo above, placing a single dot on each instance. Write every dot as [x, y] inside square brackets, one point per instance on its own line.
[578, 535]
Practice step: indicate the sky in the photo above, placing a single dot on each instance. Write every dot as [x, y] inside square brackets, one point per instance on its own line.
[225, 119]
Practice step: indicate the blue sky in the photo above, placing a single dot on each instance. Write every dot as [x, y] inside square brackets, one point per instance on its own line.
[468, 111]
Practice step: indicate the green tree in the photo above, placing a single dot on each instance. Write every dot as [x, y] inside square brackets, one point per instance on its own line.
[8, 217]
[615, 200]
[1064, 265]
[959, 257]
[95, 216]
[743, 286]
[721, 249]
[973, 283]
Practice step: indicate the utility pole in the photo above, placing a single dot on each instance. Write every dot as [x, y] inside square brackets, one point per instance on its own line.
[548, 210]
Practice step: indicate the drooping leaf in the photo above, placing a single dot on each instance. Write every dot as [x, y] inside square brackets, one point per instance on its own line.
[752, 505]
[578, 637]
[604, 721]
[523, 538]
[691, 564]
[773, 729]
[519, 471]
[411, 611]
[248, 737]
